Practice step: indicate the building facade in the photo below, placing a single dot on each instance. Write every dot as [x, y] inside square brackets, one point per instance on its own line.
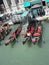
[13, 5]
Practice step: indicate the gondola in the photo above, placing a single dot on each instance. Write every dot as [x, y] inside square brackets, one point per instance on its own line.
[29, 33]
[4, 30]
[7, 28]
[2, 34]
[13, 36]
[36, 37]
[34, 32]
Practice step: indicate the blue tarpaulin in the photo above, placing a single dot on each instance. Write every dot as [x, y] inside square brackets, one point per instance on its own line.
[24, 14]
[47, 0]
[27, 4]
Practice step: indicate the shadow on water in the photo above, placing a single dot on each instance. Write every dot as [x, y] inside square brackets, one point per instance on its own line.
[0, 43]
[39, 43]
[42, 38]
[13, 43]
[29, 43]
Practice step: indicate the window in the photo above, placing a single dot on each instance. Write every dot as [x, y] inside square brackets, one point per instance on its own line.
[17, 1]
[9, 3]
[2, 7]
[43, 2]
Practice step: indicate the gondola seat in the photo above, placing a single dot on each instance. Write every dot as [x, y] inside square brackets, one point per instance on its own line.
[13, 36]
[35, 39]
[36, 34]
[32, 29]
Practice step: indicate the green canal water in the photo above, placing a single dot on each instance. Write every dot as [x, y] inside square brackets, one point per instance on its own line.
[26, 55]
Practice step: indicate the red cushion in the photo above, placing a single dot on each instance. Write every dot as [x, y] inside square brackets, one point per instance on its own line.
[13, 35]
[33, 40]
[32, 29]
[36, 34]
[39, 30]
[19, 29]
[0, 30]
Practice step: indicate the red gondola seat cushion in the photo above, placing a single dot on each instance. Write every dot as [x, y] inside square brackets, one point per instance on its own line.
[13, 35]
[0, 30]
[33, 40]
[32, 29]
[36, 34]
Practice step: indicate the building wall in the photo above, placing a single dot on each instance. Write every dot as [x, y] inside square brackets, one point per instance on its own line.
[2, 7]
[14, 4]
